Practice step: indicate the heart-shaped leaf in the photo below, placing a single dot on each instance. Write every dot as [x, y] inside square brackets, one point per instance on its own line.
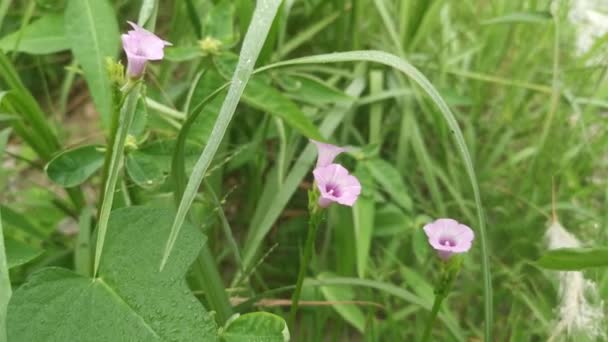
[256, 326]
[130, 300]
[73, 167]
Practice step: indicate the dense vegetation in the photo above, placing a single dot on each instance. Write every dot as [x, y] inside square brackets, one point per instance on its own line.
[157, 205]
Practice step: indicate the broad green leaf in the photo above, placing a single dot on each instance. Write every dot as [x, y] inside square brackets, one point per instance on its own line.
[574, 259]
[43, 36]
[92, 32]
[351, 313]
[74, 167]
[256, 326]
[19, 253]
[389, 179]
[131, 300]
[363, 220]
[266, 98]
[312, 90]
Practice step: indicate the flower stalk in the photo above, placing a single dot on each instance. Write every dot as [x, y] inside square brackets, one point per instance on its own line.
[450, 239]
[316, 216]
[126, 115]
[450, 270]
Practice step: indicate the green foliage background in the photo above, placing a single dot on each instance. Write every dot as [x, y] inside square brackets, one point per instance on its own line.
[531, 111]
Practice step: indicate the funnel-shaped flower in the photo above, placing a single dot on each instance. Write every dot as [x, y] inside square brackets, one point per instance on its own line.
[141, 46]
[336, 185]
[447, 237]
[327, 153]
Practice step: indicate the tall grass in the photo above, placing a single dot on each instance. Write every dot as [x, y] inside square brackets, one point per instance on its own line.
[443, 104]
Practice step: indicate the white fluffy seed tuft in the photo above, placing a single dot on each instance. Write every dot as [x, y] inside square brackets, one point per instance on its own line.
[581, 310]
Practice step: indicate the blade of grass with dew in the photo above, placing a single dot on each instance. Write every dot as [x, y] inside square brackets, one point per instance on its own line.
[267, 214]
[263, 17]
[410, 71]
[127, 113]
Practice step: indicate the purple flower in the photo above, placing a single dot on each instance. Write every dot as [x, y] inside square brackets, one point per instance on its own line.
[141, 46]
[336, 185]
[327, 153]
[447, 236]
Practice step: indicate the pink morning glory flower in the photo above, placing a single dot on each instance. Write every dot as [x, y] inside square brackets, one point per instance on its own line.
[141, 46]
[327, 153]
[447, 237]
[336, 185]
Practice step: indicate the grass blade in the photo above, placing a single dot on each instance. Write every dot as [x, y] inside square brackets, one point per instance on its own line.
[393, 290]
[147, 14]
[126, 117]
[410, 71]
[263, 17]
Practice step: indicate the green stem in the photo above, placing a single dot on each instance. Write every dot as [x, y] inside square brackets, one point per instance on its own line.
[434, 311]
[118, 98]
[313, 226]
[210, 281]
[126, 117]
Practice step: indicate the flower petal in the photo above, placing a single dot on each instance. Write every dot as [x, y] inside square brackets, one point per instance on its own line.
[440, 231]
[326, 153]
